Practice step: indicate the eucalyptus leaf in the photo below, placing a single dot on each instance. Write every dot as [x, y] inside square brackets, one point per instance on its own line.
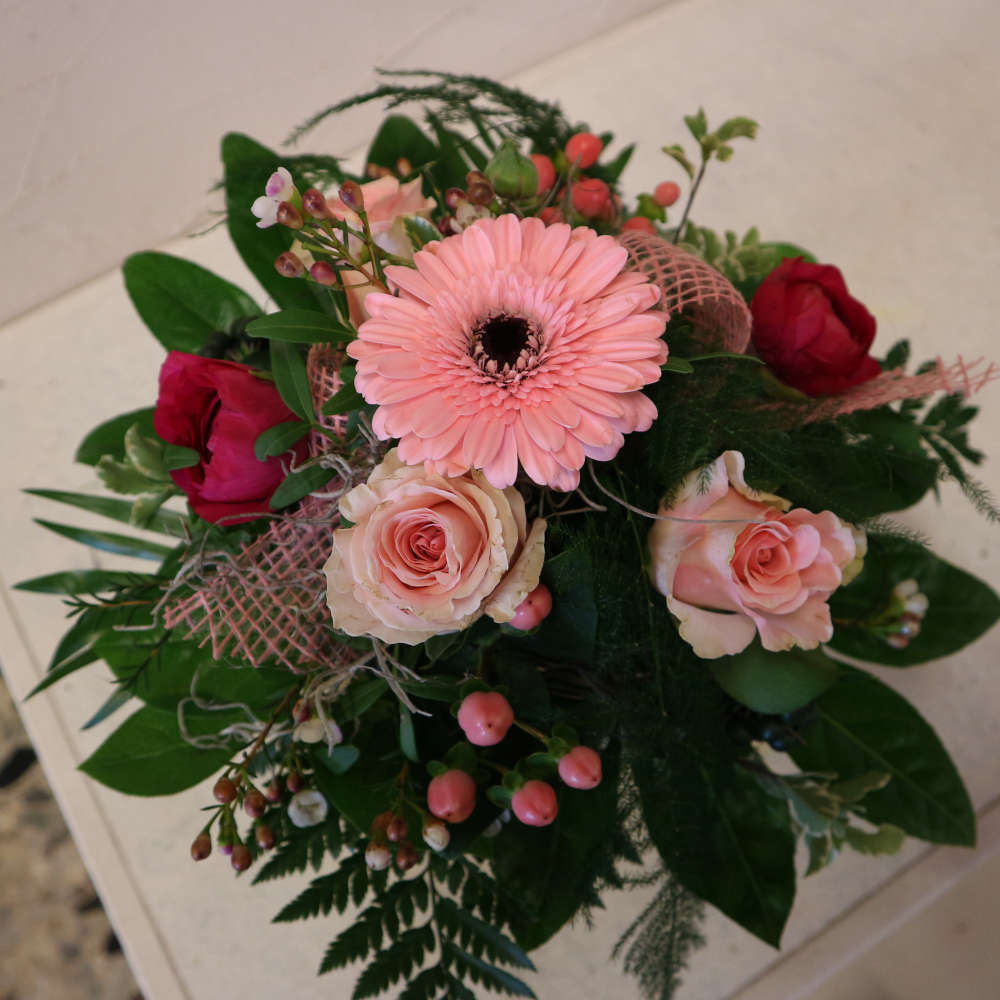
[182, 303]
[861, 725]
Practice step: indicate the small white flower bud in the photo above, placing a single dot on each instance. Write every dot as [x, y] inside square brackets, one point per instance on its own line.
[378, 857]
[906, 588]
[917, 605]
[307, 808]
[436, 835]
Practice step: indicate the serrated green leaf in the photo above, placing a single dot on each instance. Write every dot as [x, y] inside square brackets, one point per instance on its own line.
[501, 946]
[774, 683]
[123, 477]
[887, 839]
[862, 725]
[733, 128]
[278, 439]
[697, 124]
[108, 541]
[301, 326]
[108, 438]
[298, 485]
[677, 154]
[497, 979]
[181, 302]
[147, 755]
[165, 521]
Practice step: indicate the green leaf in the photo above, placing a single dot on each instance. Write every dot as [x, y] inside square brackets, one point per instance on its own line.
[248, 165]
[495, 978]
[359, 793]
[147, 755]
[887, 839]
[279, 439]
[961, 607]
[407, 737]
[862, 725]
[400, 138]
[734, 128]
[299, 484]
[176, 456]
[774, 683]
[677, 153]
[117, 699]
[359, 697]
[786, 251]
[301, 326]
[341, 759]
[81, 581]
[108, 541]
[344, 400]
[420, 231]
[109, 438]
[291, 378]
[165, 521]
[728, 841]
[182, 303]
[679, 366]
[550, 870]
[697, 124]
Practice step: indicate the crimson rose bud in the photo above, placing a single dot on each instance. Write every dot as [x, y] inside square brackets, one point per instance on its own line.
[810, 331]
[219, 408]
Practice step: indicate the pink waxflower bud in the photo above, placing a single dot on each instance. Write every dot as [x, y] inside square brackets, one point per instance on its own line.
[325, 274]
[255, 804]
[397, 829]
[406, 856]
[240, 859]
[352, 196]
[288, 215]
[581, 768]
[377, 857]
[533, 610]
[314, 202]
[279, 185]
[202, 846]
[485, 717]
[454, 197]
[535, 804]
[436, 835]
[289, 266]
[452, 796]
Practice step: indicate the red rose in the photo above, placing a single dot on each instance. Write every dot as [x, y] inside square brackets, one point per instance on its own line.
[219, 408]
[810, 331]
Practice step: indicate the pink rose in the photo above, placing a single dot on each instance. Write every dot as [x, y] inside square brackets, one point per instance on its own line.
[387, 203]
[744, 564]
[429, 555]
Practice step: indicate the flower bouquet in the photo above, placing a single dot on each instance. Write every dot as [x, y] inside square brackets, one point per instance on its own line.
[513, 567]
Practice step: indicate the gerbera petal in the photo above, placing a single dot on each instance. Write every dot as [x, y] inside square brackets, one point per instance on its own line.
[481, 442]
[502, 470]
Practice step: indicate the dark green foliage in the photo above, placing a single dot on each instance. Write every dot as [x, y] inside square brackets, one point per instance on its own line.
[861, 725]
[961, 607]
[661, 939]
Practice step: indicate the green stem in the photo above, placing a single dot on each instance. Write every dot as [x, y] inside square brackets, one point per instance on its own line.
[690, 201]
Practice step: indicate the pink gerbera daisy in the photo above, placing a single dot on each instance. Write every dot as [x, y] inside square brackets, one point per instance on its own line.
[508, 343]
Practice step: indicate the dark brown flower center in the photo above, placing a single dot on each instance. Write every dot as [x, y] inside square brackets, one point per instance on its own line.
[504, 345]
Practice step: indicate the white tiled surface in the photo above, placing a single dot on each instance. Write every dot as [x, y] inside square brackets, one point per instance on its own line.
[877, 147]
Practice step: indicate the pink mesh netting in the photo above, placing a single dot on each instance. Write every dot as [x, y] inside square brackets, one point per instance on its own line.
[715, 307]
[267, 606]
[892, 386]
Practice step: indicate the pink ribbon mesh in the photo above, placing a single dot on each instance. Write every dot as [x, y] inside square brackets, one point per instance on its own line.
[716, 309]
[267, 606]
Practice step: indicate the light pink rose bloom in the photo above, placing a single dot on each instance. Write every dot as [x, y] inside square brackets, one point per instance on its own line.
[387, 203]
[429, 554]
[746, 564]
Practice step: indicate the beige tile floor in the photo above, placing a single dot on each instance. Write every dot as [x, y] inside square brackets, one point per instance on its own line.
[876, 151]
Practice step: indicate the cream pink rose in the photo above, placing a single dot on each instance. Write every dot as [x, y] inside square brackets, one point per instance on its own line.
[387, 203]
[746, 565]
[429, 555]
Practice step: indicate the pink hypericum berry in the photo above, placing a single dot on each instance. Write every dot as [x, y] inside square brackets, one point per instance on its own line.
[546, 172]
[583, 149]
[551, 215]
[485, 717]
[666, 194]
[533, 610]
[581, 768]
[535, 804]
[590, 196]
[452, 796]
[640, 224]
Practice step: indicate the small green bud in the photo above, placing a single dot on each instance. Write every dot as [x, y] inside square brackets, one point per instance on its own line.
[511, 173]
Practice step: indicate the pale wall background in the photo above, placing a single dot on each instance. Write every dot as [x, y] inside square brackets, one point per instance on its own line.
[877, 150]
